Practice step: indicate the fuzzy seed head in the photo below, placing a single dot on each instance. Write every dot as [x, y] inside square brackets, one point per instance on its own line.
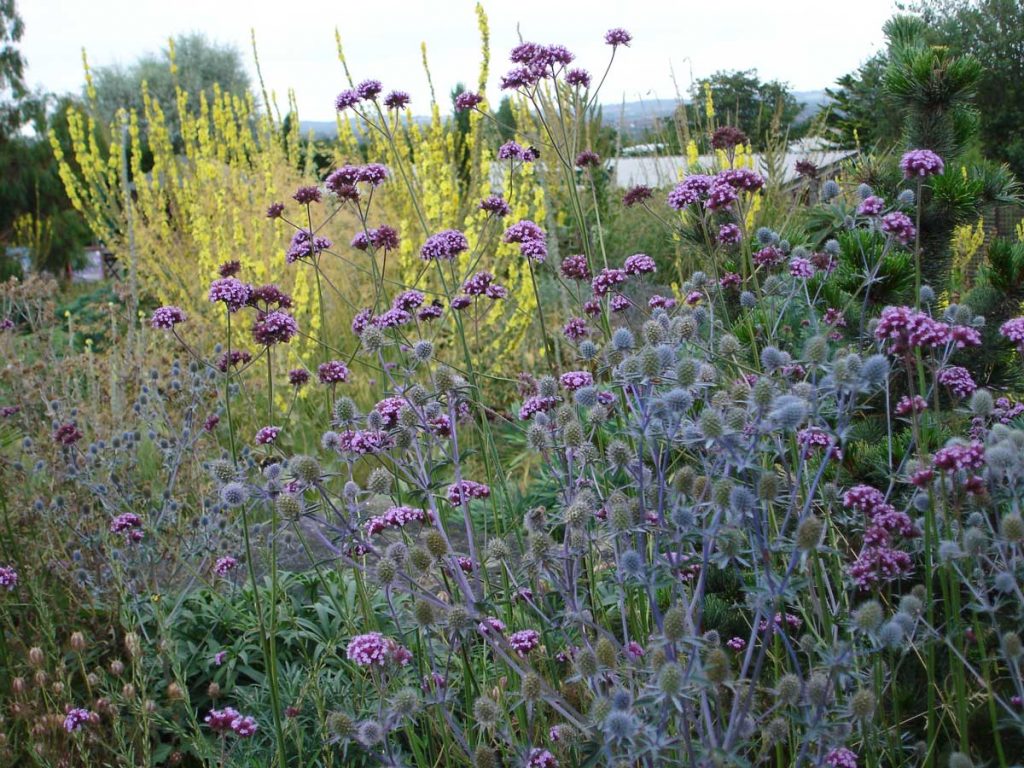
[586, 663]
[532, 687]
[484, 757]
[670, 678]
[818, 689]
[486, 711]
[862, 704]
[420, 559]
[289, 506]
[674, 624]
[606, 653]
[436, 543]
[1011, 527]
[868, 616]
[788, 689]
[808, 533]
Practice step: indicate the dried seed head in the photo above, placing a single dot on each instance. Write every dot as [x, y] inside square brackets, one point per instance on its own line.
[222, 471]
[484, 757]
[424, 612]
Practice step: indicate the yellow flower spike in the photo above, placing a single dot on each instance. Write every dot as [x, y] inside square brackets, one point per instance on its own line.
[692, 156]
[709, 102]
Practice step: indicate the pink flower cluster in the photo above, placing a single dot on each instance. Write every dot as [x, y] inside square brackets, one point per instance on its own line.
[531, 239]
[956, 457]
[841, 757]
[396, 517]
[815, 438]
[639, 264]
[267, 435]
[444, 245]
[575, 267]
[524, 641]
[165, 318]
[128, 525]
[230, 719]
[77, 718]
[906, 328]
[364, 441]
[537, 404]
[899, 225]
[920, 163]
[225, 565]
[332, 372]
[482, 284]
[879, 561]
[375, 650]
[908, 405]
[541, 758]
[1013, 330]
[573, 380]
[607, 279]
[958, 379]
[464, 490]
[8, 578]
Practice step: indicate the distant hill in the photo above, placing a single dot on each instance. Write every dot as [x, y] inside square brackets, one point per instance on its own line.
[634, 116]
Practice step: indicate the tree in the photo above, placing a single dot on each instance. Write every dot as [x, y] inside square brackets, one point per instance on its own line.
[934, 86]
[990, 31]
[741, 99]
[12, 68]
[198, 66]
[860, 111]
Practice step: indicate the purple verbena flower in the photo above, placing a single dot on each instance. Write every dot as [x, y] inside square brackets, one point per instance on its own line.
[444, 245]
[918, 163]
[332, 372]
[267, 435]
[467, 100]
[496, 206]
[165, 318]
[274, 328]
[397, 100]
[617, 36]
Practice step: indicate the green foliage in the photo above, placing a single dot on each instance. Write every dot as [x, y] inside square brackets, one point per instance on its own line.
[741, 98]
[200, 65]
[861, 111]
[933, 86]
[990, 32]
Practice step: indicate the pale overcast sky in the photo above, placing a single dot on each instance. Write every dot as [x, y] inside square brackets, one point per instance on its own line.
[808, 43]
